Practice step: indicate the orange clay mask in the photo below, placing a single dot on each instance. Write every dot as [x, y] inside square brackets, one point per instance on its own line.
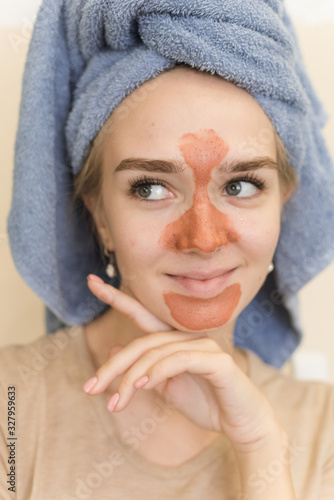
[205, 228]
[199, 314]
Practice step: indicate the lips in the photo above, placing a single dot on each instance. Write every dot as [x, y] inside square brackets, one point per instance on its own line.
[203, 283]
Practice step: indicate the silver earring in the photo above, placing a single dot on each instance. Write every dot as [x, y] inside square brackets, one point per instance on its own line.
[271, 268]
[110, 269]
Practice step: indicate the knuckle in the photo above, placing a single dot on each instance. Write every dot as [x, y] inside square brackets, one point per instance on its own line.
[158, 370]
[203, 357]
[127, 381]
[113, 349]
[106, 367]
[228, 362]
[184, 355]
[139, 343]
[151, 354]
[212, 344]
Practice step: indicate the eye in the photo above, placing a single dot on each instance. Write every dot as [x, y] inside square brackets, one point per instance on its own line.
[241, 189]
[145, 188]
[245, 187]
[152, 192]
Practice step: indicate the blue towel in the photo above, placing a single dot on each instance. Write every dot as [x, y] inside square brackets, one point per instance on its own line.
[85, 56]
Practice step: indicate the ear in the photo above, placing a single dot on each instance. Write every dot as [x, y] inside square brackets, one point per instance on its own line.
[100, 221]
[89, 204]
[286, 194]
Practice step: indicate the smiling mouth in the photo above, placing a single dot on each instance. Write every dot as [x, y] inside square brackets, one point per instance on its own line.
[203, 286]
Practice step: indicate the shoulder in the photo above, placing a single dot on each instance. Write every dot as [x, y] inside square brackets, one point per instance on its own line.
[275, 382]
[305, 410]
[25, 362]
[302, 405]
[41, 383]
[43, 372]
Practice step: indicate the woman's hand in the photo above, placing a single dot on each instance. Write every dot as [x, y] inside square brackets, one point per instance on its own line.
[190, 370]
[203, 382]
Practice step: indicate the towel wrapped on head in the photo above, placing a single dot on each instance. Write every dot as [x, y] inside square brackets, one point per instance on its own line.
[85, 56]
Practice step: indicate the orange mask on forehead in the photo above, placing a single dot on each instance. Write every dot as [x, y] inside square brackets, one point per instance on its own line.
[203, 226]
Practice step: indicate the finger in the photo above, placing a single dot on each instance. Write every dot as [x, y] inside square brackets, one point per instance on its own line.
[246, 414]
[127, 305]
[208, 363]
[113, 348]
[121, 361]
[128, 386]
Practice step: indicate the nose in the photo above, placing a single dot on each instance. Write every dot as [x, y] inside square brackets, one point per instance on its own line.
[203, 227]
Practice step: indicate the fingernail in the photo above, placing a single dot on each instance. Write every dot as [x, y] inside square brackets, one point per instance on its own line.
[90, 384]
[141, 382]
[93, 277]
[113, 402]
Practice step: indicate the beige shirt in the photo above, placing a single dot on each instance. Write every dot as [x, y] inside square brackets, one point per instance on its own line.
[66, 447]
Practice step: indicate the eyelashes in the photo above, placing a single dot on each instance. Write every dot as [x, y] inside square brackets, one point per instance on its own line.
[251, 178]
[144, 181]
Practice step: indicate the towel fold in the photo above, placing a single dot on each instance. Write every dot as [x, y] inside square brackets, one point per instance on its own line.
[85, 56]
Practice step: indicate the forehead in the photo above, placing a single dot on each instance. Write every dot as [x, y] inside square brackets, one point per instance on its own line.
[151, 120]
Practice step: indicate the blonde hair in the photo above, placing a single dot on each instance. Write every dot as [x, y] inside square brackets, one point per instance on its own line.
[87, 184]
[286, 172]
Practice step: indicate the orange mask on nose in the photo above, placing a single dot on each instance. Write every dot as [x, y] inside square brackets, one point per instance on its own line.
[205, 228]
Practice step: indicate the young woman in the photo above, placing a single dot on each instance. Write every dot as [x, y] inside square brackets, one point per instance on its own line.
[152, 398]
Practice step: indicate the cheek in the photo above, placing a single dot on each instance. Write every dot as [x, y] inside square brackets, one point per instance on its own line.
[136, 247]
[259, 235]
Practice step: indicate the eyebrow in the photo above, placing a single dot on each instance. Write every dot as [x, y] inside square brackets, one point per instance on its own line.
[162, 166]
[248, 165]
[176, 167]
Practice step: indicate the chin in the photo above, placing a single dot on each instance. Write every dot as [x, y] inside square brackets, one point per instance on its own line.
[198, 314]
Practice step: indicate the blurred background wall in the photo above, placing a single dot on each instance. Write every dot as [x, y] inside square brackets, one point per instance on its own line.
[22, 313]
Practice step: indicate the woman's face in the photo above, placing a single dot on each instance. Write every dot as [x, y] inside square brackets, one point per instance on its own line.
[191, 198]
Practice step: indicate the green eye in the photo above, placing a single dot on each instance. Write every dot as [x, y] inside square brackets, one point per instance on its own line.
[150, 189]
[144, 191]
[241, 189]
[152, 192]
[234, 188]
